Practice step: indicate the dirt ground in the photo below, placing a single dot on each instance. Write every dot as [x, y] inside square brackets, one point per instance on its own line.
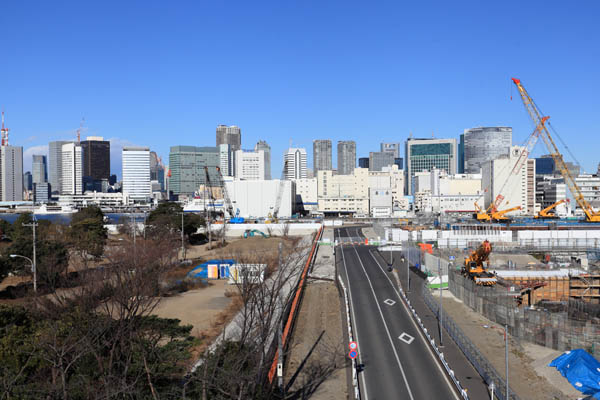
[199, 307]
[249, 246]
[489, 339]
[320, 311]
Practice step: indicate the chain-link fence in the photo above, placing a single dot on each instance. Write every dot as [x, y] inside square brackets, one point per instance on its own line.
[478, 360]
[561, 326]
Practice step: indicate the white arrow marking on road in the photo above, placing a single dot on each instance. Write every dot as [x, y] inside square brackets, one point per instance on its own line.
[406, 338]
[389, 302]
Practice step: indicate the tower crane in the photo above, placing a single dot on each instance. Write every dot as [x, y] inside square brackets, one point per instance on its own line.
[537, 118]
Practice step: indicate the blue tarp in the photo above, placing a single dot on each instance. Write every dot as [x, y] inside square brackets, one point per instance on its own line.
[581, 369]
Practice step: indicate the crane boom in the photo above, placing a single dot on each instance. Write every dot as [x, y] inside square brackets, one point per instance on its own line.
[226, 198]
[536, 116]
[279, 192]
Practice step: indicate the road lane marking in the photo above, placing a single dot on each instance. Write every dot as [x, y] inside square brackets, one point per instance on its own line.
[387, 330]
[406, 338]
[444, 374]
[389, 302]
[355, 326]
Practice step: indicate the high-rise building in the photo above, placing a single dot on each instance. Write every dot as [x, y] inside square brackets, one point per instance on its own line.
[478, 145]
[38, 168]
[544, 165]
[72, 169]
[157, 170]
[295, 163]
[363, 162]
[11, 173]
[393, 148]
[187, 164]
[266, 149]
[96, 158]
[517, 188]
[231, 135]
[41, 192]
[380, 159]
[322, 155]
[426, 154]
[346, 157]
[226, 160]
[136, 173]
[55, 165]
[27, 181]
[250, 165]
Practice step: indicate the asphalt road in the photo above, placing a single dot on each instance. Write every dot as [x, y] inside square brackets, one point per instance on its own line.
[398, 363]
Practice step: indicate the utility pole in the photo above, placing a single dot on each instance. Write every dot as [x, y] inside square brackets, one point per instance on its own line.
[33, 225]
[182, 241]
[506, 343]
[280, 344]
[441, 310]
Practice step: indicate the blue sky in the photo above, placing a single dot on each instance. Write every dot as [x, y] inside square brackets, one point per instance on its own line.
[167, 73]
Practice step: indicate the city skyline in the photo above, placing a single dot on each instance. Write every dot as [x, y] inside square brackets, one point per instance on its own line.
[376, 75]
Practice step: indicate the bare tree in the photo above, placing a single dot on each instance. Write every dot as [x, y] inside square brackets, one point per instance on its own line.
[238, 364]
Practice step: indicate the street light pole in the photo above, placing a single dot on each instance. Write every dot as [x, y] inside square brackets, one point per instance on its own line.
[33, 225]
[32, 268]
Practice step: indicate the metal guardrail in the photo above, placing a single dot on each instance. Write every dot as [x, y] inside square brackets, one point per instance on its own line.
[462, 391]
[478, 360]
[355, 383]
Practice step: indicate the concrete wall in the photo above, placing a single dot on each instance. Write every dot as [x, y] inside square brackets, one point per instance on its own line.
[237, 230]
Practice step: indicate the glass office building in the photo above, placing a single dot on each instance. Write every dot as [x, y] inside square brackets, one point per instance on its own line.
[427, 154]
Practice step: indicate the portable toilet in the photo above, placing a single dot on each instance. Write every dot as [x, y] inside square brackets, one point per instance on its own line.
[224, 266]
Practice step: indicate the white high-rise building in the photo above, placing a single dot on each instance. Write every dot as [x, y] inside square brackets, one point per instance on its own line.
[136, 173]
[517, 187]
[226, 160]
[295, 163]
[250, 165]
[72, 169]
[11, 173]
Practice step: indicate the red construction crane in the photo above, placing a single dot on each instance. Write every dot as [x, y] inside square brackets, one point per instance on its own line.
[4, 132]
[79, 130]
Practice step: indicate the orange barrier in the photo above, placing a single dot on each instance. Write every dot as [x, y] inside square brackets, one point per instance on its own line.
[426, 247]
[290, 320]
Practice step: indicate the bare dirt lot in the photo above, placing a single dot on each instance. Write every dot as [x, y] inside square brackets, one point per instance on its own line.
[256, 245]
[524, 371]
[198, 307]
[320, 311]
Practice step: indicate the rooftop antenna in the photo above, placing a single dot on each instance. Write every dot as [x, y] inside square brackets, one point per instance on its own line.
[4, 132]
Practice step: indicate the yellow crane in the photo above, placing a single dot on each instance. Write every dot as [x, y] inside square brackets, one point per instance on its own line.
[590, 214]
[545, 213]
[500, 216]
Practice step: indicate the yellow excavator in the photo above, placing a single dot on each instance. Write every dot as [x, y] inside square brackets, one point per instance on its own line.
[546, 214]
[474, 268]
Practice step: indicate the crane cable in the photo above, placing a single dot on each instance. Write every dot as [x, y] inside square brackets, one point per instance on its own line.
[559, 137]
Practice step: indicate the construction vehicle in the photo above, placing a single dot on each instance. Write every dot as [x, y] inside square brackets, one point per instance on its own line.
[500, 216]
[546, 214]
[474, 268]
[254, 232]
[591, 215]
